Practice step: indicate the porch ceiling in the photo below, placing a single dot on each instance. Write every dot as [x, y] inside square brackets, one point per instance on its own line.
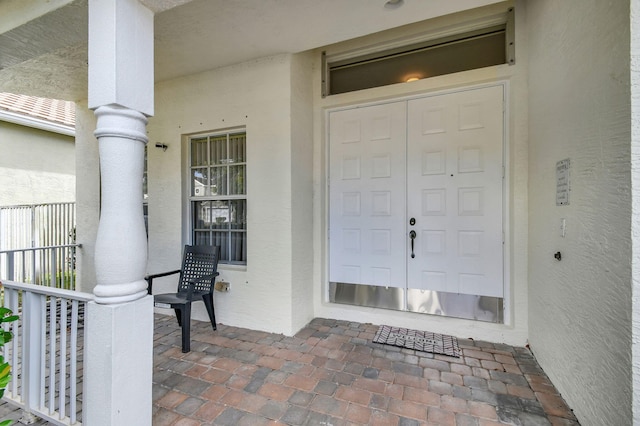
[44, 53]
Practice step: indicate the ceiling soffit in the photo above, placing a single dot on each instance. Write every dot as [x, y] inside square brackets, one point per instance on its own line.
[49, 53]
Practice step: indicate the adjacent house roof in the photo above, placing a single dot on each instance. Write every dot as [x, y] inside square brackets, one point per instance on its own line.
[47, 114]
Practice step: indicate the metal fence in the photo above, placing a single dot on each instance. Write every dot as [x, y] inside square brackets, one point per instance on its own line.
[37, 268]
[37, 244]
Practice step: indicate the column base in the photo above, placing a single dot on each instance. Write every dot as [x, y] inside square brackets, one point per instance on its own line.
[120, 293]
[119, 363]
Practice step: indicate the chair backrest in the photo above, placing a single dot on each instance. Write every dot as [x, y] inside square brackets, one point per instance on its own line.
[199, 261]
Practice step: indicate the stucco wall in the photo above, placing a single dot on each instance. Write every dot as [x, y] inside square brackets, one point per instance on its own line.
[257, 95]
[87, 195]
[515, 332]
[302, 189]
[36, 166]
[635, 184]
[580, 307]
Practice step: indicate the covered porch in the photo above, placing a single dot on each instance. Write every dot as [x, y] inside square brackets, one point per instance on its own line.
[330, 373]
[169, 75]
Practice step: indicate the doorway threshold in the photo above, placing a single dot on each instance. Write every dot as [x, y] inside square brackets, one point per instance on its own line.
[455, 305]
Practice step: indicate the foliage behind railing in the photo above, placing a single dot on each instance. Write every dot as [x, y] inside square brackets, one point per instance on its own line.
[6, 316]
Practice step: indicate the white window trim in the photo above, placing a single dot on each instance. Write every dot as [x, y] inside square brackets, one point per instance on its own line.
[188, 199]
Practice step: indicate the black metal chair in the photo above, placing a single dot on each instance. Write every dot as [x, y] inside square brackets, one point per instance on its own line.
[196, 282]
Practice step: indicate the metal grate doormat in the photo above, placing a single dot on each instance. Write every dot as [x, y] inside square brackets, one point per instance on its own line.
[423, 341]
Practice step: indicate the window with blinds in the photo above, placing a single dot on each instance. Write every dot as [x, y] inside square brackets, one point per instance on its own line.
[218, 196]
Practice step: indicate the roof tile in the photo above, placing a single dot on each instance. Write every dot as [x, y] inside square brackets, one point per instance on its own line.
[54, 110]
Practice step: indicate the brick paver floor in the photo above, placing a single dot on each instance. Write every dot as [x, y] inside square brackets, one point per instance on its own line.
[332, 374]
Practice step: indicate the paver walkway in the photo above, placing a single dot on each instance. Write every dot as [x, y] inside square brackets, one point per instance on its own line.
[331, 373]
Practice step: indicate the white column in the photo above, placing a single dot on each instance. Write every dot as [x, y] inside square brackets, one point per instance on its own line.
[121, 244]
[119, 328]
[118, 364]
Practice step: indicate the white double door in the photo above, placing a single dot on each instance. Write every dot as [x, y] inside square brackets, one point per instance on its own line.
[416, 193]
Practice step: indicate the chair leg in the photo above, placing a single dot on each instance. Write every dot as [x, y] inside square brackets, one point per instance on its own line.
[186, 328]
[178, 316]
[208, 302]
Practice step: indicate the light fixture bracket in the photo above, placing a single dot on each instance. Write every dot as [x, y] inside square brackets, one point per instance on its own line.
[393, 4]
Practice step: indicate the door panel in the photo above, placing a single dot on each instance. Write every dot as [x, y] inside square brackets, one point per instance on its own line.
[437, 159]
[454, 187]
[367, 195]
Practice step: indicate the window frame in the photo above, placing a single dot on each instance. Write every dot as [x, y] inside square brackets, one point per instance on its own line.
[503, 23]
[193, 200]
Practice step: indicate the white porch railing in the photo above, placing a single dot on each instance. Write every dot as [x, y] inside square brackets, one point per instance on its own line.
[50, 266]
[46, 352]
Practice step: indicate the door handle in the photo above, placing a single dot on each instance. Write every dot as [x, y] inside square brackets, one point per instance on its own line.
[413, 236]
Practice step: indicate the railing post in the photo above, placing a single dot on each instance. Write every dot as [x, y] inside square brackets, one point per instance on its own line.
[11, 301]
[10, 273]
[33, 267]
[33, 310]
[33, 226]
[54, 267]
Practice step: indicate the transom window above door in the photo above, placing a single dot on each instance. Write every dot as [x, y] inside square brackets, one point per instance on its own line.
[467, 46]
[218, 195]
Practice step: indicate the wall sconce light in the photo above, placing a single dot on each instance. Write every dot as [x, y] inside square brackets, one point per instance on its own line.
[393, 4]
[410, 79]
[162, 145]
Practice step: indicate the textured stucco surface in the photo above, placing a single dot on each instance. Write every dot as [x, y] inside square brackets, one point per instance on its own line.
[43, 48]
[302, 190]
[19, 12]
[580, 308]
[515, 332]
[41, 38]
[635, 184]
[36, 166]
[87, 195]
[257, 95]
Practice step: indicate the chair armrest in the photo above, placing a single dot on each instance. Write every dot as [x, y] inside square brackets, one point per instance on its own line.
[149, 278]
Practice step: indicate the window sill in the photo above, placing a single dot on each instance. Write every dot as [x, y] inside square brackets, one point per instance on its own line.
[231, 267]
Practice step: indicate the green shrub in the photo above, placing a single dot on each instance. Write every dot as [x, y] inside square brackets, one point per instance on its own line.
[5, 369]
